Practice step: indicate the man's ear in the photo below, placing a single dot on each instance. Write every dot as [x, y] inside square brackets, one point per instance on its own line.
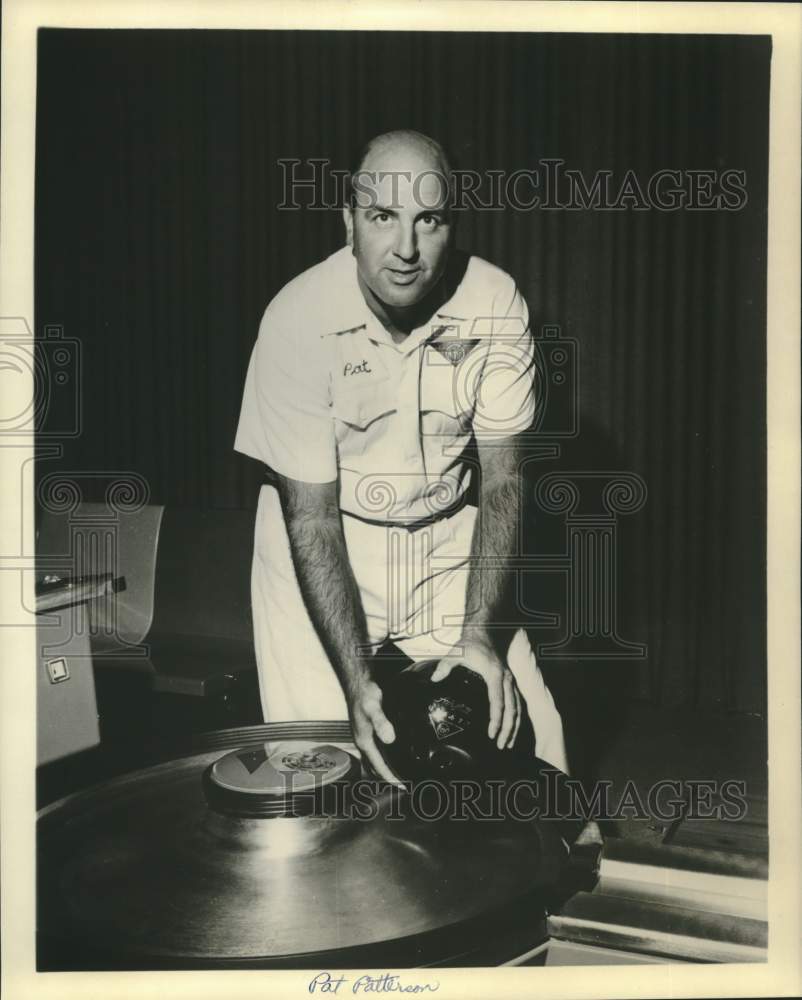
[348, 219]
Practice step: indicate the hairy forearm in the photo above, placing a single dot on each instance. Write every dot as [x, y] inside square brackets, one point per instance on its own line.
[328, 587]
[494, 542]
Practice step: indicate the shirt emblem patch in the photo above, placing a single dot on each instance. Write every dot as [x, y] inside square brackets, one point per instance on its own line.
[454, 350]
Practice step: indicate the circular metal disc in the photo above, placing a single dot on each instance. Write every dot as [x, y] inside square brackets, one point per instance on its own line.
[280, 768]
[142, 866]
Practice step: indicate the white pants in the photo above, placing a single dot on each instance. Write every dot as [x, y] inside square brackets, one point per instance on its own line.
[413, 586]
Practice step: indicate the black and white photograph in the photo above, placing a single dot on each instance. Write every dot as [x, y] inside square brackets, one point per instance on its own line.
[402, 418]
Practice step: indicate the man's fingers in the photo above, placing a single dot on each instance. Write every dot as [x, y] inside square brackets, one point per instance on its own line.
[519, 711]
[443, 669]
[382, 726]
[508, 716]
[377, 762]
[370, 720]
[495, 694]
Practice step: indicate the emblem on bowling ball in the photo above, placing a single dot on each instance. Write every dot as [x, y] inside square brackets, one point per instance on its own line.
[447, 717]
[307, 760]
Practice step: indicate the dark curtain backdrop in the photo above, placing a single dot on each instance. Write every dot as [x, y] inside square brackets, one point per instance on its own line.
[159, 243]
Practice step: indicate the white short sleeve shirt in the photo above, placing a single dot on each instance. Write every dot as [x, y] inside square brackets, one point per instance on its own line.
[329, 395]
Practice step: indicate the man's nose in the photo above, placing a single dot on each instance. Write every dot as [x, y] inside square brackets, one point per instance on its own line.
[406, 245]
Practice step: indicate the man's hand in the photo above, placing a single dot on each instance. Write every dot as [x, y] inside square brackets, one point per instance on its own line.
[368, 721]
[502, 691]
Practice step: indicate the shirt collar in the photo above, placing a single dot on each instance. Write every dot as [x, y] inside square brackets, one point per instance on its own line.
[346, 308]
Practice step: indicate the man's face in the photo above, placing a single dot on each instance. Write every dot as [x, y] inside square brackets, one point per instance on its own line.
[400, 229]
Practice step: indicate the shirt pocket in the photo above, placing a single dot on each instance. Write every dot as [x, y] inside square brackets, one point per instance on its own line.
[357, 407]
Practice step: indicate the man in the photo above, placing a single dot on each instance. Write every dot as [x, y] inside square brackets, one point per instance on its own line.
[372, 373]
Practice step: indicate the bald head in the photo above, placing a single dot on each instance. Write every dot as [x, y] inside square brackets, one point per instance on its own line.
[403, 139]
[404, 152]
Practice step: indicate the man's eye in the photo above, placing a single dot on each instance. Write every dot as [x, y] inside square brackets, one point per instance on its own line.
[382, 218]
[429, 222]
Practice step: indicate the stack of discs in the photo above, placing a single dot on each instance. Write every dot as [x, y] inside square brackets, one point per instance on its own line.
[285, 779]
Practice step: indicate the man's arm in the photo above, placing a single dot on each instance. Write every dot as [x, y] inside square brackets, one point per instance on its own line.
[494, 542]
[334, 604]
[495, 539]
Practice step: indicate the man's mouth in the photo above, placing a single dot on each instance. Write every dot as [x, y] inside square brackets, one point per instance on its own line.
[403, 277]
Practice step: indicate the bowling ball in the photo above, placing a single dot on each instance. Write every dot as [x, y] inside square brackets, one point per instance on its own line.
[441, 727]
